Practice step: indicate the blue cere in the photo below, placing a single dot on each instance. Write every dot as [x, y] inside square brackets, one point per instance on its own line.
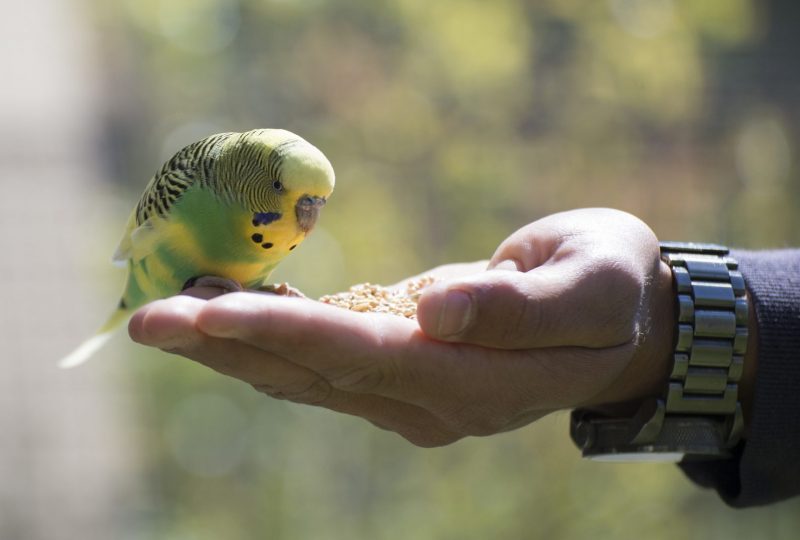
[265, 218]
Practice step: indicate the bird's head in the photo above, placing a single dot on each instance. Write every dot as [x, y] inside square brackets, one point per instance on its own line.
[291, 175]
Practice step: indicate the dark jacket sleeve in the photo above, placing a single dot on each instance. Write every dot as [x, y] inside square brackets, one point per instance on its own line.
[766, 466]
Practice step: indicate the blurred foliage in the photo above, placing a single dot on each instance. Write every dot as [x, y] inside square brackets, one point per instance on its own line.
[449, 123]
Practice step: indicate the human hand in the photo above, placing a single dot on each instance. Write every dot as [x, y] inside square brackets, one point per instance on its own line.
[573, 310]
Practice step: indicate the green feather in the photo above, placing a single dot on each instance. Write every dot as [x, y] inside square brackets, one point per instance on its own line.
[201, 214]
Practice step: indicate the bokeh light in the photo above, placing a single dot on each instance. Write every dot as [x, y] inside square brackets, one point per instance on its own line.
[207, 434]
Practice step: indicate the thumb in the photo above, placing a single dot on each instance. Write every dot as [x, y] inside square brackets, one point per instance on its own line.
[548, 306]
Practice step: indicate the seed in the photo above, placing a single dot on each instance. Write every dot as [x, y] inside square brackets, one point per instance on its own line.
[368, 297]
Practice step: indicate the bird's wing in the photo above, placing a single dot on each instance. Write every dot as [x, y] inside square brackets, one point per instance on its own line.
[123, 251]
[166, 187]
[137, 242]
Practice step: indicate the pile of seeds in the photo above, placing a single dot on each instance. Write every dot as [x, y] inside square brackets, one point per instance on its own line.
[378, 299]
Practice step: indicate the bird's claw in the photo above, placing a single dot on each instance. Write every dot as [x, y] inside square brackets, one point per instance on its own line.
[282, 289]
[227, 285]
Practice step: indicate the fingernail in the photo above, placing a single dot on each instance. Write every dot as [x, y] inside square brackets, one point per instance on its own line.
[456, 313]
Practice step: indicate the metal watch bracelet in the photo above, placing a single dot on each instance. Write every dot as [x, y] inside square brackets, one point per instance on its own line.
[699, 415]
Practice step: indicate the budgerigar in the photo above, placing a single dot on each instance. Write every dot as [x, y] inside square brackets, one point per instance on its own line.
[229, 206]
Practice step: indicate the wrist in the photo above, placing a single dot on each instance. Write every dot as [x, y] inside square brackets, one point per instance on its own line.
[657, 370]
[647, 373]
[699, 413]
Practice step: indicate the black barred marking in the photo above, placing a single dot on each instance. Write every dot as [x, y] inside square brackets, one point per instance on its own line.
[238, 167]
[266, 245]
[257, 238]
[292, 247]
[249, 169]
[173, 191]
[176, 176]
[276, 157]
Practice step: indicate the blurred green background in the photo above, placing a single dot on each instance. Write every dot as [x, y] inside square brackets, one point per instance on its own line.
[450, 124]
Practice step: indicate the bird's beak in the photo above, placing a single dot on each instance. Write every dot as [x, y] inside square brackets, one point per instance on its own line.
[307, 211]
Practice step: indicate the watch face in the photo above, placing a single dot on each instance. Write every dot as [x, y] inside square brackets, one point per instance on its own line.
[639, 457]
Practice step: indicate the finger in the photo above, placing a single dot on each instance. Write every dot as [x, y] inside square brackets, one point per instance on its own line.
[371, 353]
[573, 302]
[587, 232]
[514, 391]
[166, 324]
[355, 351]
[351, 351]
[281, 379]
[413, 423]
[472, 392]
[170, 325]
[575, 278]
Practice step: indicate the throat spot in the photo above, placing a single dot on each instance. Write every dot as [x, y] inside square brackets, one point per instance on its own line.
[265, 218]
[261, 219]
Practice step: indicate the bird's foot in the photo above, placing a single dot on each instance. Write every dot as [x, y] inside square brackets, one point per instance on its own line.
[282, 289]
[227, 285]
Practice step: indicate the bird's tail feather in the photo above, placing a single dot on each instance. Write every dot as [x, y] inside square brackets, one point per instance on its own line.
[86, 349]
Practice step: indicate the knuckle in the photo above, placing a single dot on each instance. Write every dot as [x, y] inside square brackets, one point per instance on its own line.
[426, 436]
[480, 427]
[314, 392]
[429, 439]
[475, 421]
[362, 378]
[269, 390]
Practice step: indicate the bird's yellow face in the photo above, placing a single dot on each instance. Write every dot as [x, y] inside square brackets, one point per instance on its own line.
[293, 184]
[307, 178]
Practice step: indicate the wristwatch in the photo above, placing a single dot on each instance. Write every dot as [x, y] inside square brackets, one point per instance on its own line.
[699, 415]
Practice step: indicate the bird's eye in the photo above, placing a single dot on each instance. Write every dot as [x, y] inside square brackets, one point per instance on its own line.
[278, 185]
